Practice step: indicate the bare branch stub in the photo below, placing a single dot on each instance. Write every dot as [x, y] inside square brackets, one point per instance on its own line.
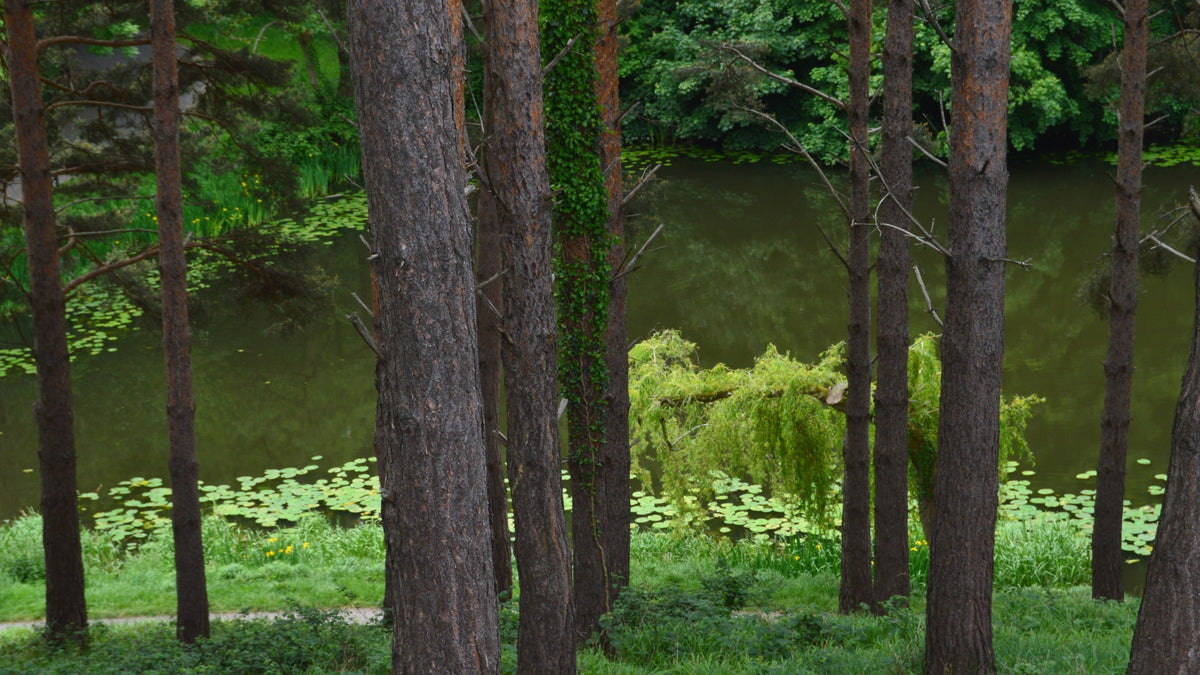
[925, 292]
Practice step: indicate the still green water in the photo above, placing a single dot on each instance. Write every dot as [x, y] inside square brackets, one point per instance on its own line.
[740, 264]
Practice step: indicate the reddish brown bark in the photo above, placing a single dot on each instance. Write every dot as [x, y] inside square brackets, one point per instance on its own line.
[428, 419]
[1118, 369]
[190, 588]
[516, 163]
[958, 633]
[855, 589]
[602, 554]
[66, 607]
[1164, 640]
[891, 392]
[488, 306]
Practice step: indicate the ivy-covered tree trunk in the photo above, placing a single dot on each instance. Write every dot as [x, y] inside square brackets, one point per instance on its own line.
[1118, 369]
[66, 607]
[613, 473]
[489, 305]
[428, 419]
[1164, 640]
[191, 590]
[516, 169]
[891, 392]
[855, 588]
[958, 630]
[573, 131]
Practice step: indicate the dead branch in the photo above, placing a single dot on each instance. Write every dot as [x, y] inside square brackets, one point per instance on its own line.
[645, 178]
[629, 266]
[104, 104]
[365, 334]
[785, 80]
[925, 152]
[928, 302]
[480, 286]
[798, 148]
[931, 17]
[261, 32]
[1159, 243]
[559, 56]
[94, 42]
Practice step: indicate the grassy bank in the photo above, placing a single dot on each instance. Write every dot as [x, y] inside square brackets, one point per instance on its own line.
[696, 605]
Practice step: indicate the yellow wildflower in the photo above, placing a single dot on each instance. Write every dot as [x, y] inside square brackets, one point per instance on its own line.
[270, 553]
[305, 545]
[289, 549]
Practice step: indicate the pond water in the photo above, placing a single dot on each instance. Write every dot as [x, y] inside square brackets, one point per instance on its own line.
[741, 265]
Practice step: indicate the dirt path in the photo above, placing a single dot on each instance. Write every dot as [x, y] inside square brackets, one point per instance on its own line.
[352, 614]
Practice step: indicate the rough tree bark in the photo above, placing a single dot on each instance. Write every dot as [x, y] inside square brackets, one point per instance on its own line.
[1118, 369]
[891, 392]
[66, 607]
[958, 634]
[1164, 640]
[583, 276]
[855, 589]
[602, 561]
[428, 418]
[489, 306]
[516, 169]
[190, 587]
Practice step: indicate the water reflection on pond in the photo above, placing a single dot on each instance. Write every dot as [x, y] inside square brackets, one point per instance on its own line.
[742, 265]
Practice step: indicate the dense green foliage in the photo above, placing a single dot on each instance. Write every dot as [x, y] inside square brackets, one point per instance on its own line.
[692, 91]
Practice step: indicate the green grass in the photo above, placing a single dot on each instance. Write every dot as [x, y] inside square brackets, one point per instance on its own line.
[696, 605]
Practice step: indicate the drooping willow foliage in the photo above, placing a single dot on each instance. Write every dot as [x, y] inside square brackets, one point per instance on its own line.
[775, 423]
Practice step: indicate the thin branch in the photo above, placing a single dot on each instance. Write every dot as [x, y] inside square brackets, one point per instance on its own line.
[628, 112]
[101, 233]
[1161, 244]
[365, 334]
[627, 267]
[105, 104]
[925, 152]
[261, 32]
[646, 176]
[470, 23]
[785, 80]
[370, 312]
[483, 284]
[842, 6]
[95, 42]
[333, 33]
[798, 148]
[559, 56]
[1025, 264]
[931, 17]
[928, 302]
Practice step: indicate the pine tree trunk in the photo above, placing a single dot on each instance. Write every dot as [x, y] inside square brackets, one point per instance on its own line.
[958, 636]
[487, 306]
[1118, 369]
[190, 587]
[855, 588]
[66, 607]
[891, 392]
[1164, 640]
[428, 416]
[611, 555]
[516, 168]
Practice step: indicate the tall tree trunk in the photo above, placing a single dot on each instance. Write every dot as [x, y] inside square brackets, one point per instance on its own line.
[856, 482]
[573, 139]
[190, 588]
[487, 266]
[1118, 369]
[1164, 640]
[605, 556]
[891, 392]
[516, 168]
[66, 608]
[958, 632]
[435, 509]
[488, 306]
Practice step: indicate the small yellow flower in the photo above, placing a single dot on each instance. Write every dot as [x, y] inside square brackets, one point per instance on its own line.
[796, 557]
[270, 553]
[818, 547]
[289, 549]
[913, 549]
[305, 545]
[272, 540]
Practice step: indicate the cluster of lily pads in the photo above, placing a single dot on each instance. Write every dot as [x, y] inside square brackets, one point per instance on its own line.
[640, 158]
[139, 508]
